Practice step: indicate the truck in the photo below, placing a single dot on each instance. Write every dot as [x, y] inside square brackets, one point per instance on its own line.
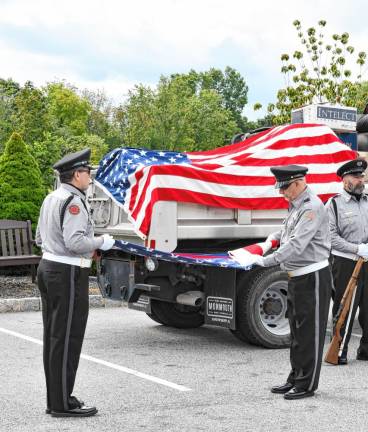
[251, 304]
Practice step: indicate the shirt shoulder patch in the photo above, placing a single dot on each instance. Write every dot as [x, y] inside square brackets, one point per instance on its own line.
[74, 209]
[310, 215]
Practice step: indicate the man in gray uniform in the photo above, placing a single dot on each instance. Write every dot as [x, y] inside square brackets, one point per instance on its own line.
[348, 216]
[303, 253]
[65, 234]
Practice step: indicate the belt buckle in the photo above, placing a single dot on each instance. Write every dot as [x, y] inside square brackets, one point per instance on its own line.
[82, 262]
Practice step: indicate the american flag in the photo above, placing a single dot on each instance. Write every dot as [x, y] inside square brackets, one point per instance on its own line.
[235, 176]
[219, 259]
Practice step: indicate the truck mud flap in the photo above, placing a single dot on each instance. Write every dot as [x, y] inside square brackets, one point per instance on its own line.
[220, 290]
[116, 280]
[143, 304]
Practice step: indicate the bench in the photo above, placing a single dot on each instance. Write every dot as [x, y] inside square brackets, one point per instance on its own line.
[16, 245]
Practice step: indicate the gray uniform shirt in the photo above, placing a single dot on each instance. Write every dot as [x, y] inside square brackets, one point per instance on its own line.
[304, 237]
[76, 237]
[350, 227]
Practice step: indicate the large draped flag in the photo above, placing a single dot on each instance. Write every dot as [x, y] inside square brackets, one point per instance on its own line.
[239, 258]
[235, 176]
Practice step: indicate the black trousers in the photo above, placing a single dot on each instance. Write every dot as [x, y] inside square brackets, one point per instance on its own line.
[308, 305]
[64, 295]
[342, 269]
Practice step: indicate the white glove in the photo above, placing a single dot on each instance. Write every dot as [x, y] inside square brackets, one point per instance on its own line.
[270, 238]
[363, 250]
[108, 242]
[259, 260]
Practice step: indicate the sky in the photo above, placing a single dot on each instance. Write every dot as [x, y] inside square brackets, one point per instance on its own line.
[112, 45]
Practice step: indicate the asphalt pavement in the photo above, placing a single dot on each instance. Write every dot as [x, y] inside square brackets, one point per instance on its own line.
[146, 377]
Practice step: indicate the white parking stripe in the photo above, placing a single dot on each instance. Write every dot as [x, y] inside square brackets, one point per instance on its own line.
[105, 363]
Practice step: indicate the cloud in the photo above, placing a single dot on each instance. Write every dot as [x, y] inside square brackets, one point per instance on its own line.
[114, 44]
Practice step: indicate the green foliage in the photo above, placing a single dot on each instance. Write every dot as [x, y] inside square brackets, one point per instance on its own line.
[21, 188]
[193, 111]
[8, 91]
[69, 112]
[229, 85]
[76, 143]
[31, 116]
[47, 152]
[262, 122]
[183, 113]
[318, 72]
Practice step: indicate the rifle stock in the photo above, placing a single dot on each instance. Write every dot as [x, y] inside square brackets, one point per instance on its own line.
[332, 355]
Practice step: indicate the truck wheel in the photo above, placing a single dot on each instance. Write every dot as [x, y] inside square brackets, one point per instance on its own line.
[176, 315]
[155, 318]
[261, 309]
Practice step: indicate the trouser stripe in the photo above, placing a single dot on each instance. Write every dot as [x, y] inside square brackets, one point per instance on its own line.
[67, 336]
[316, 329]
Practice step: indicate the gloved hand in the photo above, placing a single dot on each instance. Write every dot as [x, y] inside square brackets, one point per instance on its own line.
[108, 242]
[270, 237]
[259, 260]
[363, 250]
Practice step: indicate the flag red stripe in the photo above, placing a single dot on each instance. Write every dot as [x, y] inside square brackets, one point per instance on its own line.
[233, 148]
[181, 195]
[304, 141]
[337, 157]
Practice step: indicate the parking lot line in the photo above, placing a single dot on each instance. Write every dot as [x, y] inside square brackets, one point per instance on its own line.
[105, 363]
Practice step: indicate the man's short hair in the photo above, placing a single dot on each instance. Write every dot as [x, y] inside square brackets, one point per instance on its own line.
[66, 176]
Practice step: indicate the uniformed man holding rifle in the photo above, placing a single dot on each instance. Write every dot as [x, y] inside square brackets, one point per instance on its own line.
[348, 220]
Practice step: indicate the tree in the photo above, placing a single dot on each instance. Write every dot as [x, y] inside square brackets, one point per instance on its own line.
[68, 111]
[178, 115]
[229, 85]
[102, 120]
[319, 72]
[8, 91]
[31, 116]
[21, 188]
[47, 152]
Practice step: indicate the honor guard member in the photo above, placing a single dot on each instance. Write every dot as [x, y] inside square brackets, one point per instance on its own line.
[65, 234]
[304, 251]
[348, 216]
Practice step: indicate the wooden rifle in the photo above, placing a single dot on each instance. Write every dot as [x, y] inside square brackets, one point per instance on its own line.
[332, 355]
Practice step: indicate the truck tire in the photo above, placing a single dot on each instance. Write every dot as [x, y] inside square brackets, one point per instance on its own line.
[261, 309]
[155, 318]
[362, 124]
[176, 315]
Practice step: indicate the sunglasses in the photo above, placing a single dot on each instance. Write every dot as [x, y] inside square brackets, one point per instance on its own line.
[283, 188]
[86, 170]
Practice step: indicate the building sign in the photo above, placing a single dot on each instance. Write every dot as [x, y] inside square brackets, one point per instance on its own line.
[329, 113]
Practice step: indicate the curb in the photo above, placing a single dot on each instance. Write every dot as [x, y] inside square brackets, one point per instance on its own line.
[28, 304]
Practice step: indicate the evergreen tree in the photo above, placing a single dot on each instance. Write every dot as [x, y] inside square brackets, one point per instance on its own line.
[21, 188]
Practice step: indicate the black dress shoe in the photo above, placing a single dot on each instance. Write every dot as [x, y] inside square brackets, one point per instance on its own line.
[296, 393]
[73, 403]
[361, 355]
[284, 388]
[76, 412]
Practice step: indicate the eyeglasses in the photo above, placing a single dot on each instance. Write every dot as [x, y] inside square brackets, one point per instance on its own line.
[86, 170]
[283, 188]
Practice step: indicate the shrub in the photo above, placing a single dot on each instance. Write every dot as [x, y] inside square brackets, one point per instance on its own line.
[21, 188]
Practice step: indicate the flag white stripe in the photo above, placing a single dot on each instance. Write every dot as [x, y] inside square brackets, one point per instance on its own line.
[221, 190]
[267, 142]
[264, 171]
